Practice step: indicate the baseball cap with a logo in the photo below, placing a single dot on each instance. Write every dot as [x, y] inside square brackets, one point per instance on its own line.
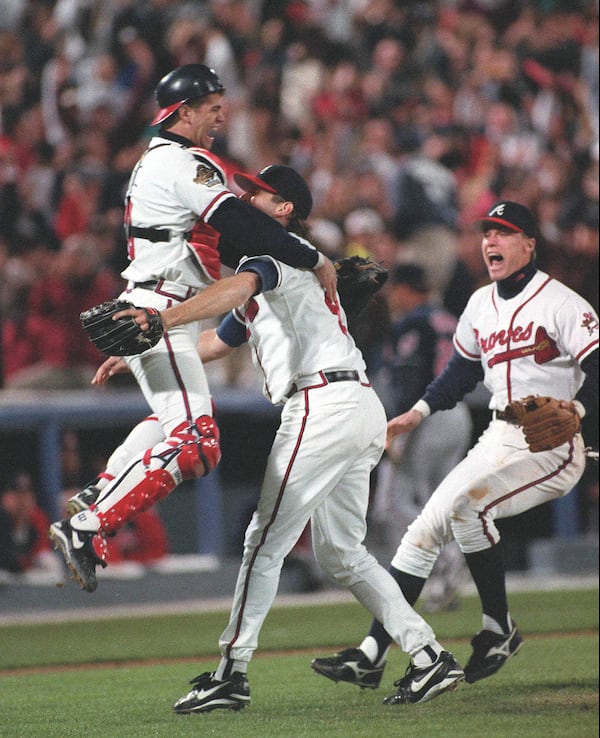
[510, 215]
[280, 180]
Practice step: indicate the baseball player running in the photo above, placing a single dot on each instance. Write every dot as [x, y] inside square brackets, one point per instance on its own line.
[176, 206]
[524, 334]
[331, 436]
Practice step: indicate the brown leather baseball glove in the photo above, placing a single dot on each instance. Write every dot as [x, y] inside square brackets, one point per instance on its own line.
[545, 422]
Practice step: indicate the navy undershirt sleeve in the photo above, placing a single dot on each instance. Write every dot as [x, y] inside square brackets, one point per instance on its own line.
[231, 331]
[588, 392]
[246, 231]
[266, 270]
[460, 377]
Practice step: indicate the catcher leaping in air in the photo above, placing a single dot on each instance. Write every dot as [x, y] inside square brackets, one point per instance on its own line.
[534, 343]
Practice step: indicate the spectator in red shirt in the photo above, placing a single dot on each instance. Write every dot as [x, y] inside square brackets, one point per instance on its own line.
[45, 347]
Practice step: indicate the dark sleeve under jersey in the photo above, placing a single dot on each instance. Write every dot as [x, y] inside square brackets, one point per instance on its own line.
[246, 231]
[232, 329]
[588, 392]
[460, 377]
[266, 270]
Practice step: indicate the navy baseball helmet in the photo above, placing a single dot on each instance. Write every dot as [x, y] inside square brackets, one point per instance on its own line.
[280, 180]
[189, 82]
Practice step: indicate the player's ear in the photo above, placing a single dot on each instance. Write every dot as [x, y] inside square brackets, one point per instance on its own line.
[531, 247]
[285, 208]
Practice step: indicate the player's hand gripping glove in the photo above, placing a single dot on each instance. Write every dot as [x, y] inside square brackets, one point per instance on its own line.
[123, 336]
[358, 279]
[545, 421]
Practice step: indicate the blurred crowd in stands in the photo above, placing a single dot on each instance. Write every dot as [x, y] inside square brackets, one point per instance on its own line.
[407, 119]
[25, 550]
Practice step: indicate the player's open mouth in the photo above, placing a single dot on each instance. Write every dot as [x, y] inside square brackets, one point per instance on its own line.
[495, 257]
[211, 135]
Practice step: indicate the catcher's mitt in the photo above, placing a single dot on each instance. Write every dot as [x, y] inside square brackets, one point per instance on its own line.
[121, 337]
[358, 279]
[546, 424]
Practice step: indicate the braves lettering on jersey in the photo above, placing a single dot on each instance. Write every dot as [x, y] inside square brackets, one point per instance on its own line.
[536, 339]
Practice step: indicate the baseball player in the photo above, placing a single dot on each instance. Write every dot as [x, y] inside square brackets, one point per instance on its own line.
[177, 206]
[418, 347]
[331, 436]
[524, 334]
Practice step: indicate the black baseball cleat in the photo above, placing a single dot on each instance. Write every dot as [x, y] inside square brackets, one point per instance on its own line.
[490, 652]
[211, 694]
[350, 666]
[82, 500]
[78, 552]
[421, 684]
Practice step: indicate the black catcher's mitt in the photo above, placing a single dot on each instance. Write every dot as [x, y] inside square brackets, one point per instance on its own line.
[121, 337]
[358, 279]
[545, 423]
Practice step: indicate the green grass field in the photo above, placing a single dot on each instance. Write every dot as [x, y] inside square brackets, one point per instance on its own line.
[118, 678]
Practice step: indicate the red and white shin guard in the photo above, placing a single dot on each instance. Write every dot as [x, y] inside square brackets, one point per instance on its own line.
[189, 452]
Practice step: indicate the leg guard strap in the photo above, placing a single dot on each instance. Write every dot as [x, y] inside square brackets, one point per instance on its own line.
[200, 450]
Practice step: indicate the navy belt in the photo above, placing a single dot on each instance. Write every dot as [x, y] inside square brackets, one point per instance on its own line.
[342, 375]
[151, 234]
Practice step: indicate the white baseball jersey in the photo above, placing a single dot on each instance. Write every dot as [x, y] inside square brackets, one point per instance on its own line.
[295, 332]
[529, 344]
[171, 187]
[331, 436]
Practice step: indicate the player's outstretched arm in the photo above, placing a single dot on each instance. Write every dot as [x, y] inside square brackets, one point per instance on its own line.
[218, 298]
[211, 347]
[113, 365]
[255, 233]
[404, 423]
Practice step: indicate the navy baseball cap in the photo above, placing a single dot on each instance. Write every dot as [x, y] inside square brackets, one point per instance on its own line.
[280, 180]
[511, 215]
